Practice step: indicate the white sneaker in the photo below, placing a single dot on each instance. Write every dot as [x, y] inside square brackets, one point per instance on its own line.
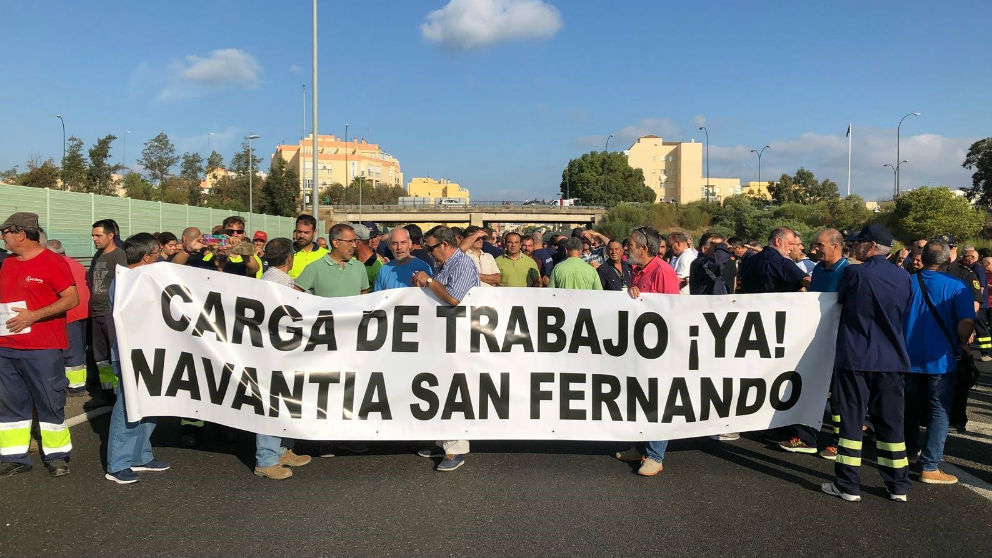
[831, 489]
[898, 497]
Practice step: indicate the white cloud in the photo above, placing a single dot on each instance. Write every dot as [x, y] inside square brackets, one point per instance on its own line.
[471, 24]
[932, 160]
[195, 76]
[296, 69]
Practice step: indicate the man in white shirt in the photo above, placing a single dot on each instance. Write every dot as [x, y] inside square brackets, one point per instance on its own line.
[684, 253]
[485, 263]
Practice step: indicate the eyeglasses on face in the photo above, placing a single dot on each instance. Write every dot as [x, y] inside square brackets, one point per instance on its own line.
[232, 232]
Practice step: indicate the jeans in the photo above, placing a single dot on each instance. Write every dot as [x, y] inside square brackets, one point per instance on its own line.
[268, 449]
[930, 396]
[654, 450]
[128, 443]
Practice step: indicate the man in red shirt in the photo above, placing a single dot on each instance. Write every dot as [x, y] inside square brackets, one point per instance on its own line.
[75, 318]
[36, 290]
[654, 276]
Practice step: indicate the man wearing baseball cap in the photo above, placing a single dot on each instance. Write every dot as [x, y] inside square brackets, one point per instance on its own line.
[36, 288]
[258, 242]
[870, 363]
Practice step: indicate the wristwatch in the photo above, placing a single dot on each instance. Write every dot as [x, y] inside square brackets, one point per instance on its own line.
[430, 280]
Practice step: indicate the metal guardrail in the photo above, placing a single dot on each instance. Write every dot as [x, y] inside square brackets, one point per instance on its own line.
[483, 206]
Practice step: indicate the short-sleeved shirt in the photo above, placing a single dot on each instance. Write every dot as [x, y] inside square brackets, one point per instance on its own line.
[82, 310]
[458, 275]
[597, 255]
[768, 271]
[928, 348]
[547, 260]
[573, 273]
[683, 264]
[875, 296]
[303, 258]
[520, 272]
[613, 279]
[826, 279]
[372, 266]
[657, 277]
[326, 277]
[485, 263]
[395, 275]
[37, 282]
[278, 276]
[101, 274]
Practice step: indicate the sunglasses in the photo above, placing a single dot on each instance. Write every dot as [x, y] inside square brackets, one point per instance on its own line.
[430, 248]
[232, 232]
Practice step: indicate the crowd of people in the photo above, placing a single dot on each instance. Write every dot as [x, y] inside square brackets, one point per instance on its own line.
[908, 317]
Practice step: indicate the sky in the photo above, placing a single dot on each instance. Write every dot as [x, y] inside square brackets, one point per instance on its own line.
[498, 95]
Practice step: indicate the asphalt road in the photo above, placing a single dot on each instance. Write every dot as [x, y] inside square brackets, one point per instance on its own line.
[743, 498]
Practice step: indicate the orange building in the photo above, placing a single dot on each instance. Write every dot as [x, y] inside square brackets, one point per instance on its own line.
[340, 162]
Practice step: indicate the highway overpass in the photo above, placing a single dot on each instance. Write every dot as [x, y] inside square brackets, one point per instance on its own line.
[475, 214]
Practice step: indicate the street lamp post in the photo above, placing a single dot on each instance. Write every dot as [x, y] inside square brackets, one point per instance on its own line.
[59, 116]
[124, 151]
[703, 128]
[759, 163]
[895, 174]
[347, 170]
[251, 171]
[606, 172]
[314, 188]
[898, 160]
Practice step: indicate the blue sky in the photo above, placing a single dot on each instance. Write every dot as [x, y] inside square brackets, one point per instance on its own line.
[499, 94]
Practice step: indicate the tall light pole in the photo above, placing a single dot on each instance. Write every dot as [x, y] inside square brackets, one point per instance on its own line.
[895, 173]
[898, 160]
[606, 172]
[703, 128]
[759, 163]
[303, 135]
[347, 170]
[59, 116]
[124, 151]
[251, 171]
[315, 191]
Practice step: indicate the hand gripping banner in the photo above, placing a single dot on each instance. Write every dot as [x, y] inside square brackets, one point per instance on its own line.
[508, 363]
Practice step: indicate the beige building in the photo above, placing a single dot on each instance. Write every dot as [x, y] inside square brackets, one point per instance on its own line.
[674, 170]
[341, 162]
[757, 190]
[430, 188]
[208, 183]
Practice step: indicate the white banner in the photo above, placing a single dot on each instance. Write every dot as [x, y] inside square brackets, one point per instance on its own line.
[508, 363]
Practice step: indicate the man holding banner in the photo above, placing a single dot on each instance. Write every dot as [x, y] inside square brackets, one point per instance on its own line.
[457, 276]
[654, 276]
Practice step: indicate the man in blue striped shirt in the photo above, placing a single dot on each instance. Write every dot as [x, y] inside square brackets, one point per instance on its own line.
[456, 277]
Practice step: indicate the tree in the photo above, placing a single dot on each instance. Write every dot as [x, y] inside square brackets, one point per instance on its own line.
[174, 190]
[802, 188]
[214, 161]
[847, 213]
[604, 178]
[158, 157]
[74, 166]
[40, 174]
[99, 174]
[10, 175]
[192, 167]
[239, 161]
[137, 188]
[979, 158]
[281, 190]
[928, 212]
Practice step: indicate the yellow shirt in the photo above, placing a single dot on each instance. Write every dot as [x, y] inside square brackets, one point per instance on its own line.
[302, 258]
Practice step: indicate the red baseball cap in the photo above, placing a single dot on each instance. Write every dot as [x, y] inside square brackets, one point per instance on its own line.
[260, 235]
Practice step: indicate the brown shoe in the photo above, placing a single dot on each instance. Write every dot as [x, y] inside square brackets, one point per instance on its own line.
[290, 459]
[277, 472]
[937, 477]
[650, 467]
[630, 455]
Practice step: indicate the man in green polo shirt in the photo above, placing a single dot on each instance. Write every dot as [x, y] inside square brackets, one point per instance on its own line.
[337, 273]
[573, 272]
[306, 248]
[516, 268]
